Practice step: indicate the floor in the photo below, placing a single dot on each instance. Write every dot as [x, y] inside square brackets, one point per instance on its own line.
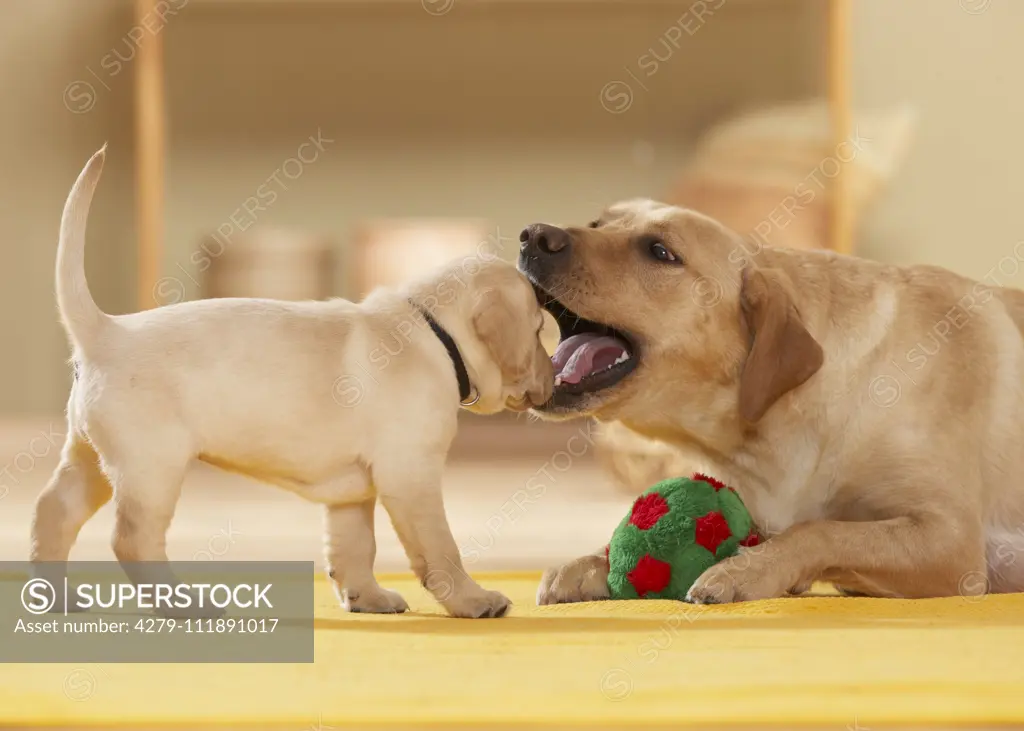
[856, 664]
[518, 496]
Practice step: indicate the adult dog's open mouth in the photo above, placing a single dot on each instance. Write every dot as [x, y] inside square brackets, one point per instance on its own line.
[590, 356]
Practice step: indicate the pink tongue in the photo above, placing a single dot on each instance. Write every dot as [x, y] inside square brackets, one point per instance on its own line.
[581, 355]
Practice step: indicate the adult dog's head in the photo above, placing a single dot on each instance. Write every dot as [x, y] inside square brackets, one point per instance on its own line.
[653, 300]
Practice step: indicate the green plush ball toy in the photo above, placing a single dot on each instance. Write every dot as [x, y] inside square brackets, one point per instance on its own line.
[675, 532]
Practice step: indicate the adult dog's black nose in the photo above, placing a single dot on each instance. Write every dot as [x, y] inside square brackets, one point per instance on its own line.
[540, 239]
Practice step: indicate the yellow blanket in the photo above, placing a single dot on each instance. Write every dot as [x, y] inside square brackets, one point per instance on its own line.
[826, 661]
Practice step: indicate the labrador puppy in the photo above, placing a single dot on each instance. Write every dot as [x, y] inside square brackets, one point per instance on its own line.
[341, 403]
[870, 416]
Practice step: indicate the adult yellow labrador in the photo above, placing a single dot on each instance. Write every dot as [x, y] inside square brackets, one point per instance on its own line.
[870, 416]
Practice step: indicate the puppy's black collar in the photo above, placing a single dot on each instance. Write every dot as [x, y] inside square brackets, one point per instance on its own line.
[461, 374]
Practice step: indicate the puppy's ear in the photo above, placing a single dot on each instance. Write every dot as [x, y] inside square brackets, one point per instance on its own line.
[495, 325]
[514, 345]
[783, 354]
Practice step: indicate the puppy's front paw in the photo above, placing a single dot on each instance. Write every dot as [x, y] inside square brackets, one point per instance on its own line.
[376, 600]
[477, 603]
[743, 578]
[582, 580]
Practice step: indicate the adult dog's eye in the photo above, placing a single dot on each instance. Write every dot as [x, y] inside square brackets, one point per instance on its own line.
[593, 224]
[660, 252]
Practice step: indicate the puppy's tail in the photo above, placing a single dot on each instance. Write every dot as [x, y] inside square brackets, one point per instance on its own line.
[81, 317]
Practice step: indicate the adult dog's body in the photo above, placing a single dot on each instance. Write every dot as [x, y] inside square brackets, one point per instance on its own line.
[342, 403]
[870, 416]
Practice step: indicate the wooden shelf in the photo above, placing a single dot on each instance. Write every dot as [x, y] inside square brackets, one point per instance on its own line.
[404, 82]
[839, 90]
[150, 136]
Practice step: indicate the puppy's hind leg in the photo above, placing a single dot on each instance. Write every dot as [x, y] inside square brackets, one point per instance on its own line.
[77, 489]
[147, 472]
[351, 549]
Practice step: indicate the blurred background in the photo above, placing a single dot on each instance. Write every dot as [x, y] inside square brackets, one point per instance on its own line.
[311, 149]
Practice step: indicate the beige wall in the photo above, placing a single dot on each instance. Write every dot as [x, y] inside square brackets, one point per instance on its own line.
[958, 200]
[492, 113]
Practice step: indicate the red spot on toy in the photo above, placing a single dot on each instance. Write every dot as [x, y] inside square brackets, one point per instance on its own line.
[752, 540]
[711, 530]
[647, 510]
[717, 484]
[650, 575]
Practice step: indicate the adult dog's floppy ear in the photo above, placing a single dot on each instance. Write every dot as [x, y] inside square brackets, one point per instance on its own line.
[783, 354]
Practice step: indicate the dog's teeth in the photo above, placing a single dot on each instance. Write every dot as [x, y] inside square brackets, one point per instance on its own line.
[622, 358]
[558, 381]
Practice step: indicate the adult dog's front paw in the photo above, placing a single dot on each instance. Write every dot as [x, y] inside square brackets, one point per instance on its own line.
[582, 580]
[743, 578]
